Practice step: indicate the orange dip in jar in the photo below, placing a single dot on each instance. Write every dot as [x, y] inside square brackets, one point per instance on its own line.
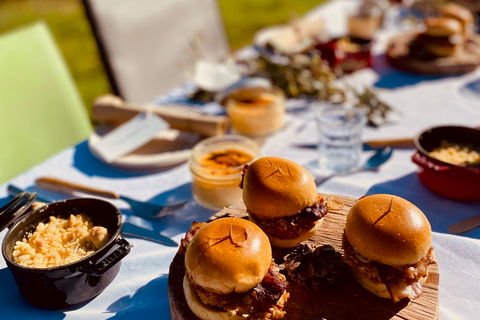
[256, 111]
[216, 165]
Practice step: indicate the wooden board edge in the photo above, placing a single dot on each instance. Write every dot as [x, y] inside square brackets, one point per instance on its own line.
[420, 309]
[436, 67]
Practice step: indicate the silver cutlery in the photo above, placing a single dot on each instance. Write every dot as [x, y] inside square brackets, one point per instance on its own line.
[369, 144]
[128, 229]
[464, 225]
[142, 209]
[15, 191]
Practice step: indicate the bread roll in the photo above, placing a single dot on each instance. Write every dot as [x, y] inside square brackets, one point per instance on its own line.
[389, 230]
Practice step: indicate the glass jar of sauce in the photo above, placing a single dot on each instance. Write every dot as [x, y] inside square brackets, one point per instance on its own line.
[256, 111]
[216, 165]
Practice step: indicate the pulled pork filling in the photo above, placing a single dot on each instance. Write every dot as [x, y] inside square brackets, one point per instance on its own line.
[417, 46]
[189, 235]
[264, 301]
[401, 281]
[292, 227]
[450, 40]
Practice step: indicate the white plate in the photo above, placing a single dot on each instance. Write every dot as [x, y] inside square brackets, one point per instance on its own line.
[170, 147]
[290, 38]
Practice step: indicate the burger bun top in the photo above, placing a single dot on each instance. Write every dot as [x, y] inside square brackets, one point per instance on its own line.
[389, 230]
[228, 255]
[442, 27]
[275, 187]
[458, 12]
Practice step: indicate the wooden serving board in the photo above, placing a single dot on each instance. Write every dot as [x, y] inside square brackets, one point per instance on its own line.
[465, 61]
[345, 300]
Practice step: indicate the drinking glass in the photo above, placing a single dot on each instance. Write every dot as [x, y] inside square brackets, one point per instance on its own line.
[339, 133]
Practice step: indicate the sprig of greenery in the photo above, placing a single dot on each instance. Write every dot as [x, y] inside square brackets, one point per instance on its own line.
[307, 75]
[375, 109]
[298, 75]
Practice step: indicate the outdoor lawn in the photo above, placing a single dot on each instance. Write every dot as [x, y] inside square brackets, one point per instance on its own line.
[71, 29]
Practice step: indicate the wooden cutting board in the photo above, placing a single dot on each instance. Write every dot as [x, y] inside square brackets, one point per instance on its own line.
[465, 61]
[346, 300]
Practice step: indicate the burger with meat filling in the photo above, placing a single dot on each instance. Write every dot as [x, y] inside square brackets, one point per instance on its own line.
[230, 273]
[442, 37]
[387, 245]
[281, 197]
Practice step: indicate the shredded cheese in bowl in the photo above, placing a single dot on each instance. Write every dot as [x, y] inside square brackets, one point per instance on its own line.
[456, 154]
[59, 241]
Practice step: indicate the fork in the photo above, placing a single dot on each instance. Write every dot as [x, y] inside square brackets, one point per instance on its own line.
[142, 209]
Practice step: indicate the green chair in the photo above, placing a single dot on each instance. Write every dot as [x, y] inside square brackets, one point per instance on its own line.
[41, 111]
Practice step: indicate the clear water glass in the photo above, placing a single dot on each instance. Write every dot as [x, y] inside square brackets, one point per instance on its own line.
[340, 136]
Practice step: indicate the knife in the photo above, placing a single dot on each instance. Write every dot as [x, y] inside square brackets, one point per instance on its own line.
[128, 229]
[465, 225]
[132, 230]
[371, 144]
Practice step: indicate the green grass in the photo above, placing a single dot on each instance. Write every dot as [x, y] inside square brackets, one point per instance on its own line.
[71, 29]
[243, 18]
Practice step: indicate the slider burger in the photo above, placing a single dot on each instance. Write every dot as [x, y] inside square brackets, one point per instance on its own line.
[387, 245]
[230, 273]
[442, 37]
[459, 13]
[281, 197]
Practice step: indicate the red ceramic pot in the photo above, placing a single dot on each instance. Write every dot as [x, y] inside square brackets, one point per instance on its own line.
[350, 53]
[330, 53]
[449, 180]
[356, 53]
